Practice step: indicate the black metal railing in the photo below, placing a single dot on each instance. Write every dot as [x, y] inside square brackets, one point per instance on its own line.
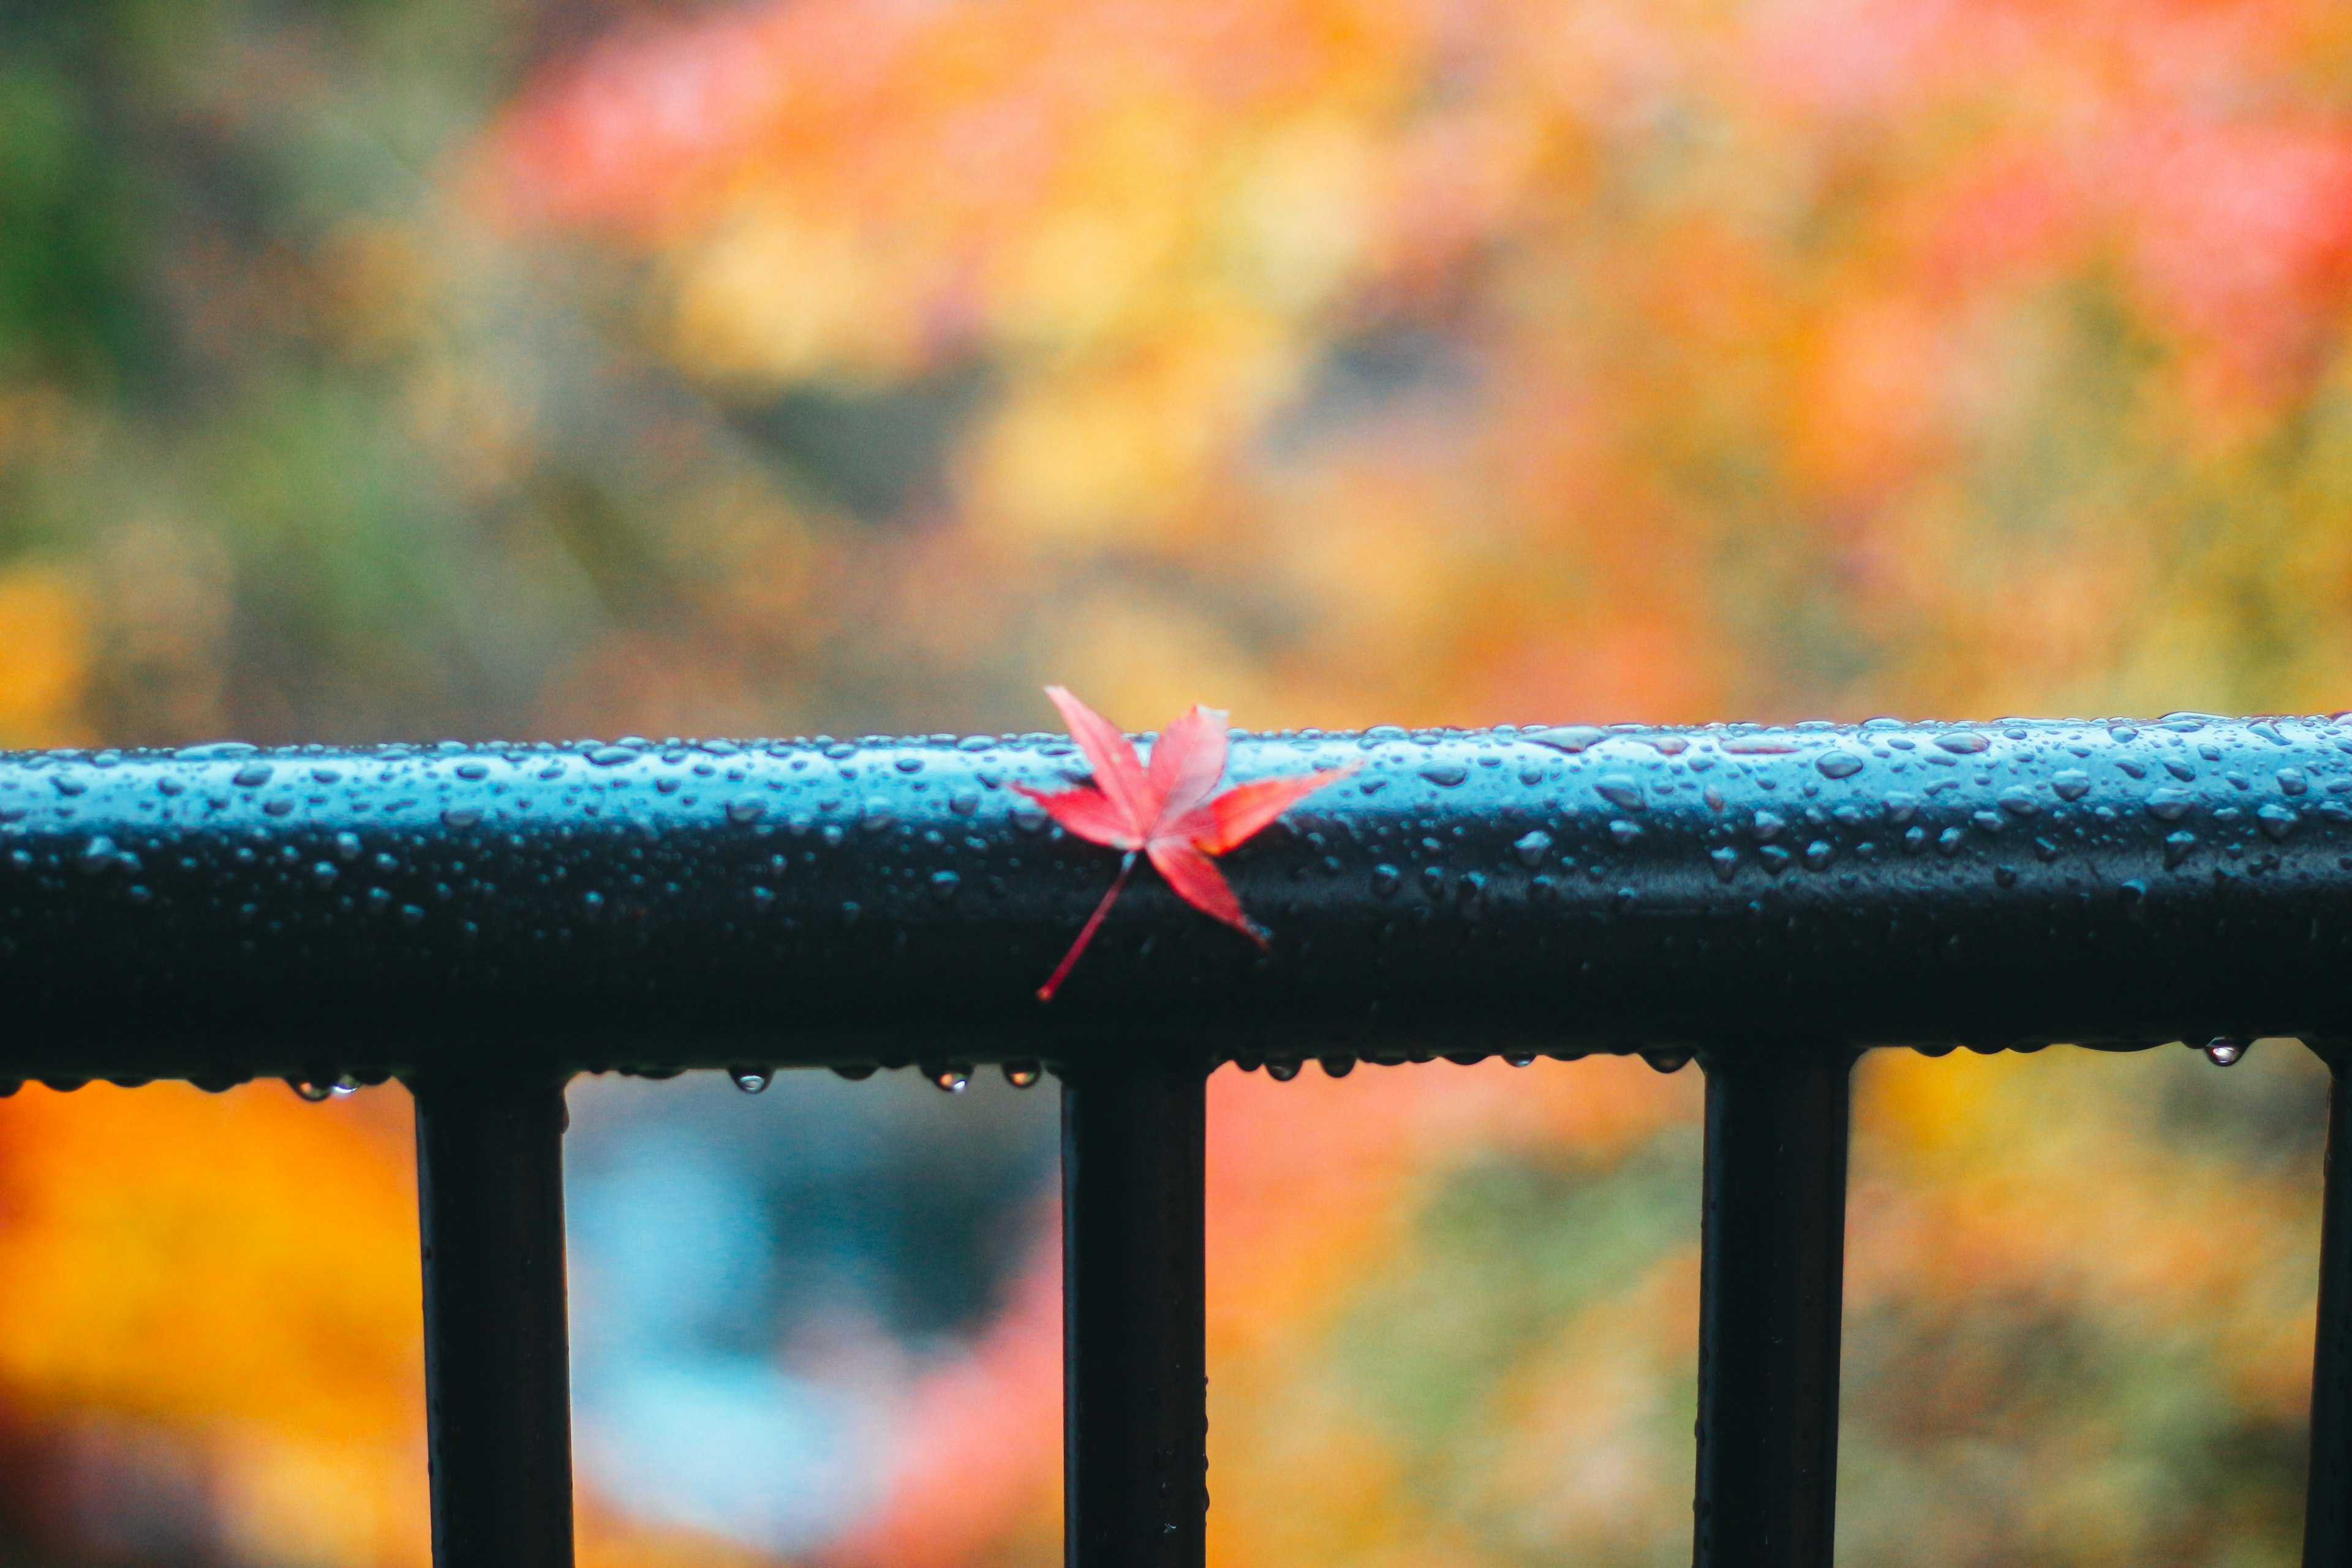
[485, 921]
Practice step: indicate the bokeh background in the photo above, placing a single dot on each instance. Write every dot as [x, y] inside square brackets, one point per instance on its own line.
[538, 368]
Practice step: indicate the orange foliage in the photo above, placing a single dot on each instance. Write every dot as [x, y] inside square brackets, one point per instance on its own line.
[239, 1269]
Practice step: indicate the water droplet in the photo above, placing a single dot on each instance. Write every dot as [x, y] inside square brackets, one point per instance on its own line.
[1768, 826]
[215, 751]
[1281, 1069]
[1962, 743]
[1948, 842]
[411, 916]
[1445, 776]
[1667, 1059]
[2292, 782]
[746, 810]
[98, 856]
[2222, 1050]
[460, 817]
[2072, 784]
[1775, 859]
[1337, 1066]
[1519, 1058]
[324, 873]
[612, 756]
[1532, 848]
[1838, 765]
[316, 1089]
[2018, 801]
[1817, 855]
[2178, 847]
[1386, 880]
[953, 1077]
[2277, 821]
[1624, 832]
[347, 846]
[251, 776]
[752, 1080]
[1023, 1075]
[1621, 792]
[1726, 862]
[1570, 738]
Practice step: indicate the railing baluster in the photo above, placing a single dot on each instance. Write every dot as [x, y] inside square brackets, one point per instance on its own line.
[1135, 1434]
[2328, 1509]
[1771, 1272]
[489, 1184]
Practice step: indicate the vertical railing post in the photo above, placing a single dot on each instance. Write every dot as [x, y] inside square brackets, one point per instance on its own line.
[490, 1186]
[2327, 1508]
[1135, 1411]
[1771, 1273]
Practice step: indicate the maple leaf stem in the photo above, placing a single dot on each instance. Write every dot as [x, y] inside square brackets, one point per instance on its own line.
[1086, 932]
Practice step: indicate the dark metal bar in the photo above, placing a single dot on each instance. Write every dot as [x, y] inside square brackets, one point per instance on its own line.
[2327, 1511]
[1134, 1373]
[489, 1182]
[1772, 1266]
[216, 912]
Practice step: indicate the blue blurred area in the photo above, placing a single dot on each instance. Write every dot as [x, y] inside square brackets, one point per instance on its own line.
[756, 1279]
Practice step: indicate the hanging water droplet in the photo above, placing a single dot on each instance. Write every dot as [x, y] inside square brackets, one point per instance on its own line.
[1023, 1075]
[953, 1077]
[1667, 1060]
[315, 1089]
[2222, 1050]
[750, 1080]
[856, 1072]
[1337, 1066]
[1519, 1058]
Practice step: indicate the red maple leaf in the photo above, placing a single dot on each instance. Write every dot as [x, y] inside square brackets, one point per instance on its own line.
[1166, 812]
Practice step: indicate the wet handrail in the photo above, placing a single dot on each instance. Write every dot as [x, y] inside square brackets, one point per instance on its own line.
[485, 921]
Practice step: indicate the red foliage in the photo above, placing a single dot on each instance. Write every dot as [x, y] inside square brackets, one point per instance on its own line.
[1167, 811]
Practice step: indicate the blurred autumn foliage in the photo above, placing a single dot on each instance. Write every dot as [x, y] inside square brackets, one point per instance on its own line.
[532, 367]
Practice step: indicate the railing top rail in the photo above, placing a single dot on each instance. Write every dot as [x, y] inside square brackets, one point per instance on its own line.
[226, 911]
